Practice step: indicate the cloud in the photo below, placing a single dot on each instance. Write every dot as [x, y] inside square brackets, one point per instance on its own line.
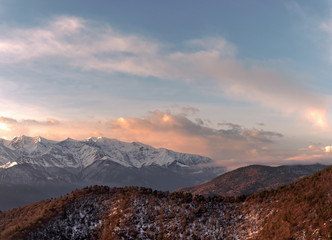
[190, 110]
[235, 145]
[10, 127]
[159, 129]
[230, 125]
[53, 129]
[87, 46]
[48, 122]
[72, 38]
[229, 144]
[6, 120]
[252, 134]
[312, 154]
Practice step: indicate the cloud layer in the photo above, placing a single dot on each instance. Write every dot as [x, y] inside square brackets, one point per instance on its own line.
[89, 46]
[229, 144]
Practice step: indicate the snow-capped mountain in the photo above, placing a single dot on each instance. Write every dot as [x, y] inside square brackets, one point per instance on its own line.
[71, 153]
[36, 161]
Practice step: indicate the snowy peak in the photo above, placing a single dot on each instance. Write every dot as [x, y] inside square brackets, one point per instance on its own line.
[25, 142]
[137, 154]
[80, 154]
[29, 145]
[21, 142]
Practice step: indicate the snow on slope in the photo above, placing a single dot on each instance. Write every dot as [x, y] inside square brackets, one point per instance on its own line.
[80, 154]
[138, 154]
[9, 165]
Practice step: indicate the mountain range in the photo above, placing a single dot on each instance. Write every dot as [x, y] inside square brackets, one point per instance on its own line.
[35, 168]
[251, 179]
[301, 210]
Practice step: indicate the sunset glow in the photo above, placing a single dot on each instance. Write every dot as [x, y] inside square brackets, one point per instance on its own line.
[166, 118]
[328, 148]
[4, 127]
[318, 118]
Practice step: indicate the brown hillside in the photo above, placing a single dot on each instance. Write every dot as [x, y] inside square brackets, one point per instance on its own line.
[251, 179]
[302, 210]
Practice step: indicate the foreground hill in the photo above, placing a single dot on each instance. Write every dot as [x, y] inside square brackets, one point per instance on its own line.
[302, 210]
[254, 178]
[40, 168]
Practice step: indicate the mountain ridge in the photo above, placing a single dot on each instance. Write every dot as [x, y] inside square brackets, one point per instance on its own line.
[121, 152]
[253, 178]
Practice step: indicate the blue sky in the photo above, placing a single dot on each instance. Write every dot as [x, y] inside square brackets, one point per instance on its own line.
[240, 81]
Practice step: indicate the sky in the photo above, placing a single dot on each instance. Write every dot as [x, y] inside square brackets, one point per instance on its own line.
[242, 82]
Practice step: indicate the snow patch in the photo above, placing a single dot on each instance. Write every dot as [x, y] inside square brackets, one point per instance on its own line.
[9, 165]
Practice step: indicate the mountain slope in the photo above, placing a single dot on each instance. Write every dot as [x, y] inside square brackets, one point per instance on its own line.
[302, 210]
[129, 213]
[252, 179]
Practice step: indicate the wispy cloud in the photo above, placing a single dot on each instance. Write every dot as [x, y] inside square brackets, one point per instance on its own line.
[72, 38]
[88, 46]
[53, 129]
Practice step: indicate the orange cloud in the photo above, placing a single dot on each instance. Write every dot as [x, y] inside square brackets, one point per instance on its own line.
[313, 154]
[318, 117]
[229, 145]
[233, 145]
[4, 127]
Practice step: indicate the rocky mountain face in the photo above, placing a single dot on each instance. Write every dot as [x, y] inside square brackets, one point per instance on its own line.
[254, 178]
[302, 210]
[70, 153]
[39, 167]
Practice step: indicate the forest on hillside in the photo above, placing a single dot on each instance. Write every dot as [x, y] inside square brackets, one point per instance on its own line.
[302, 210]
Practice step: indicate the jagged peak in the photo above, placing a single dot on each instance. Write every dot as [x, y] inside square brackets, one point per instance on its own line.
[68, 139]
[20, 137]
[38, 139]
[26, 139]
[93, 139]
[84, 152]
[22, 140]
